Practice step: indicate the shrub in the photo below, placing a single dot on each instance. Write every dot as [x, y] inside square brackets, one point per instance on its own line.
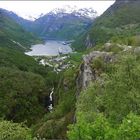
[14, 131]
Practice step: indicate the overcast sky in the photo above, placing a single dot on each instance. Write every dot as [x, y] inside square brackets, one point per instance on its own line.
[35, 8]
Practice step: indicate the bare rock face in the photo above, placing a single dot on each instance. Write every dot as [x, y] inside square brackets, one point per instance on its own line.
[86, 74]
[88, 42]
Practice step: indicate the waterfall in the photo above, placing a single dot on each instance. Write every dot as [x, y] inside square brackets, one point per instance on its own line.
[50, 107]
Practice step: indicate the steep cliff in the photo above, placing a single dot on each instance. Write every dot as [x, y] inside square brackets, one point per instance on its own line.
[89, 73]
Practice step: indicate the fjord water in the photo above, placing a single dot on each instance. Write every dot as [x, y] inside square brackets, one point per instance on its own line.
[50, 48]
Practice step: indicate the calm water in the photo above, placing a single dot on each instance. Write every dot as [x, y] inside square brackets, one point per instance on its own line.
[50, 48]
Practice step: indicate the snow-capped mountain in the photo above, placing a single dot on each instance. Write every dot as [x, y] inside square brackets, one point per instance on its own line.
[64, 23]
[85, 12]
[61, 23]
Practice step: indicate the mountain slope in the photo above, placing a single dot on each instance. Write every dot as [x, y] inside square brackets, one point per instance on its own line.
[12, 34]
[64, 23]
[61, 23]
[108, 106]
[119, 22]
[26, 24]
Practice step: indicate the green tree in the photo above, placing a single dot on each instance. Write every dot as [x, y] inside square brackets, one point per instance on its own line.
[14, 131]
[20, 95]
[130, 128]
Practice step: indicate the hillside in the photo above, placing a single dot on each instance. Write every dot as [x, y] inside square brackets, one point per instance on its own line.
[119, 23]
[61, 23]
[26, 24]
[108, 100]
[13, 35]
[64, 23]
[93, 94]
[108, 103]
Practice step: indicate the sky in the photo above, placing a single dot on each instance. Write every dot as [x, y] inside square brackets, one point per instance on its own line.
[35, 8]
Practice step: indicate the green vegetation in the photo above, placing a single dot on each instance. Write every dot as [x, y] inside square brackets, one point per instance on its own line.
[111, 110]
[24, 87]
[58, 27]
[68, 31]
[108, 109]
[103, 130]
[12, 35]
[54, 124]
[17, 60]
[123, 22]
[98, 64]
[14, 131]
[119, 23]
[19, 95]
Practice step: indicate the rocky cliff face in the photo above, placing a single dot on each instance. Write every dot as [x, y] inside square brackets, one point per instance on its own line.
[88, 42]
[86, 73]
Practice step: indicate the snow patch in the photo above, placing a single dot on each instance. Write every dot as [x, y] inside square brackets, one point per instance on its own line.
[85, 12]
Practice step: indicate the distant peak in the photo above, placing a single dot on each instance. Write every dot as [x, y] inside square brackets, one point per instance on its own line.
[67, 9]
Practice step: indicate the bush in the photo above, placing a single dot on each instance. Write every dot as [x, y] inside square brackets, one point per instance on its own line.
[14, 131]
[101, 129]
[103, 111]
[97, 63]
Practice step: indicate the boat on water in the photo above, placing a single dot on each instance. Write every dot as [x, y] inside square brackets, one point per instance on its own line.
[64, 43]
[67, 42]
[60, 50]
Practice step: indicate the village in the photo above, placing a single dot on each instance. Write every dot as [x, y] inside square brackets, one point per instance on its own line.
[58, 63]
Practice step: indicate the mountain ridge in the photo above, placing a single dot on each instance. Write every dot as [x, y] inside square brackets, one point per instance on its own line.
[85, 12]
[61, 23]
[119, 21]
[12, 34]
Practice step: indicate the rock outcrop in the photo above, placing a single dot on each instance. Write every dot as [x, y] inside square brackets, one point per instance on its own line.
[86, 73]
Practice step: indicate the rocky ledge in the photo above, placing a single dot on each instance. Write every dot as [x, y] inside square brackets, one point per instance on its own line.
[86, 74]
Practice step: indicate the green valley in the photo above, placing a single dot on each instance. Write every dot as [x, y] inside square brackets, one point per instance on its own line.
[89, 93]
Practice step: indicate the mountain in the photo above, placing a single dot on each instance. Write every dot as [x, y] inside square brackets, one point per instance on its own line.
[12, 34]
[119, 22]
[24, 22]
[63, 23]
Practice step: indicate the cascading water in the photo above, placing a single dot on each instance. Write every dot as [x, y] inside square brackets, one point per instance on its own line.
[50, 107]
